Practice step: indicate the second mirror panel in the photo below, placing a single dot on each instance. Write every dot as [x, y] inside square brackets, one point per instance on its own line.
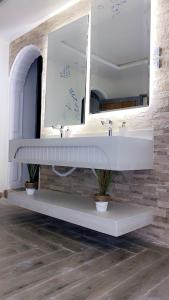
[120, 54]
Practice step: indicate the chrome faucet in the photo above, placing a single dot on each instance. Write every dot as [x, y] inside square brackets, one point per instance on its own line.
[110, 127]
[109, 123]
[61, 131]
[60, 128]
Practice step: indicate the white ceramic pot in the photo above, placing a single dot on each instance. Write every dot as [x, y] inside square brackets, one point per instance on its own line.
[30, 192]
[101, 206]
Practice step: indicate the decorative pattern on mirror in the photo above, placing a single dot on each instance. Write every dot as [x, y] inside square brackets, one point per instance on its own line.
[115, 6]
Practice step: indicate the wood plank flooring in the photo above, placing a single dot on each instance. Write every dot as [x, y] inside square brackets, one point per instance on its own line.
[44, 258]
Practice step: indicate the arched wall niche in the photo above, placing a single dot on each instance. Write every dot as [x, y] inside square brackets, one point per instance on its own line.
[18, 74]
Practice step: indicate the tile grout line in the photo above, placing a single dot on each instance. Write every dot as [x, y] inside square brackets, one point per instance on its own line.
[48, 241]
[64, 272]
[131, 276]
[114, 246]
[17, 254]
[156, 285]
[100, 273]
[38, 257]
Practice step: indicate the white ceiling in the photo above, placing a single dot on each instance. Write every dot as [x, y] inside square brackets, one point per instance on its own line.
[75, 36]
[128, 37]
[19, 16]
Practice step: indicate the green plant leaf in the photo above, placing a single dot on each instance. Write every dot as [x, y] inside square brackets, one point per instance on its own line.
[104, 178]
[33, 171]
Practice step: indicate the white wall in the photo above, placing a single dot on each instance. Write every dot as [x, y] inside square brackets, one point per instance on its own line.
[4, 114]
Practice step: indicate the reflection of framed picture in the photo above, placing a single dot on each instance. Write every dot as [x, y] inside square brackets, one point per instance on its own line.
[126, 102]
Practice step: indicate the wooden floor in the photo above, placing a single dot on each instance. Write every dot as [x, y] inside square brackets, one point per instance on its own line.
[43, 258]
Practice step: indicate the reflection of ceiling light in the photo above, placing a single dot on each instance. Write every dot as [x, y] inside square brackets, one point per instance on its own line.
[62, 9]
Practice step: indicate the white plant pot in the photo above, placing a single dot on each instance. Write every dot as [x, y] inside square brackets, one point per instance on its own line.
[30, 192]
[101, 206]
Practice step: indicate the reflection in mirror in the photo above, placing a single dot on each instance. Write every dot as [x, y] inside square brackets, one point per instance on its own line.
[120, 54]
[66, 75]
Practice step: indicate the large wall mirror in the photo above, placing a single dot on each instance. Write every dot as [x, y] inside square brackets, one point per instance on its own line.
[120, 54]
[66, 74]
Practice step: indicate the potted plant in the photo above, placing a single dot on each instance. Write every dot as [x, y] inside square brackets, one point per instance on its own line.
[104, 178]
[32, 184]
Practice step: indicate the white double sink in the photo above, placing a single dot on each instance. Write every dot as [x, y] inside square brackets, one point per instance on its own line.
[134, 151]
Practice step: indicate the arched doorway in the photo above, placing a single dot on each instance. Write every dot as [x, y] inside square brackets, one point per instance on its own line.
[26, 62]
[96, 96]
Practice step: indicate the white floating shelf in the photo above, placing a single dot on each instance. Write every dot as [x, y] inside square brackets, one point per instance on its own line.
[120, 218]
